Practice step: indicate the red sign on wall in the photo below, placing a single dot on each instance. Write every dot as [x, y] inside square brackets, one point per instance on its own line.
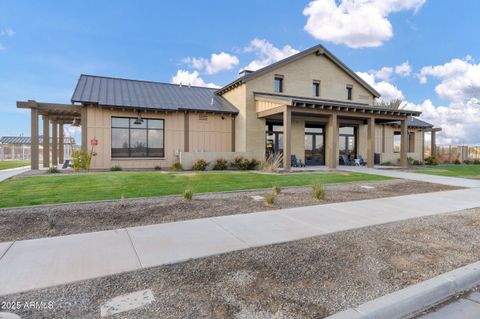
[94, 142]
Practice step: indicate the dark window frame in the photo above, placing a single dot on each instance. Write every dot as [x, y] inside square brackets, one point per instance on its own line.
[316, 88]
[349, 89]
[130, 128]
[278, 78]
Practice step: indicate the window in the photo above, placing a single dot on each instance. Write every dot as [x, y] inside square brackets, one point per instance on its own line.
[137, 140]
[278, 83]
[349, 92]
[397, 141]
[316, 88]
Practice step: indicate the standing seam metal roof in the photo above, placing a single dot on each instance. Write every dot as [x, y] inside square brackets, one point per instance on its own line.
[117, 92]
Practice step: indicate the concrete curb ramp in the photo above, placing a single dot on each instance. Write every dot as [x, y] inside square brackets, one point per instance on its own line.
[414, 299]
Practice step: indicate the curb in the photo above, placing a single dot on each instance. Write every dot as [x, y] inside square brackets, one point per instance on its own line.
[414, 299]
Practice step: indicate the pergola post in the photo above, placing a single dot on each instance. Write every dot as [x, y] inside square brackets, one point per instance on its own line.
[186, 132]
[34, 138]
[61, 143]
[331, 149]
[287, 138]
[370, 142]
[404, 143]
[433, 143]
[54, 143]
[46, 141]
[83, 121]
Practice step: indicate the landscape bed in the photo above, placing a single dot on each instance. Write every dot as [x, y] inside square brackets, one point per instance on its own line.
[35, 190]
[310, 278]
[42, 221]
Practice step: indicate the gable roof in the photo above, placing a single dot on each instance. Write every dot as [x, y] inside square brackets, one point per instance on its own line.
[412, 122]
[318, 49]
[118, 92]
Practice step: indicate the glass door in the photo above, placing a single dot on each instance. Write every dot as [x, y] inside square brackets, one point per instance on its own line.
[314, 146]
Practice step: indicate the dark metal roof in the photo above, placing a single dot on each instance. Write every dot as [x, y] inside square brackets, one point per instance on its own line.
[322, 103]
[319, 50]
[412, 122]
[116, 92]
[27, 140]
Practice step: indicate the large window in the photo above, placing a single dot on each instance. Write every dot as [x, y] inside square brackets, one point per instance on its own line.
[133, 139]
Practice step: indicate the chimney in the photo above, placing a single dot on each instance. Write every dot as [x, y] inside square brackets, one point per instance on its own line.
[244, 72]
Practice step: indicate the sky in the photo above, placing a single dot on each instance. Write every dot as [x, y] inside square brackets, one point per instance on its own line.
[425, 52]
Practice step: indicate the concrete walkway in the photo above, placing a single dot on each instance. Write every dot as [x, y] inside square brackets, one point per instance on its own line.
[467, 307]
[444, 180]
[7, 173]
[38, 263]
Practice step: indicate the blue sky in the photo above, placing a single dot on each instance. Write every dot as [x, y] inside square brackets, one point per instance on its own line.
[45, 46]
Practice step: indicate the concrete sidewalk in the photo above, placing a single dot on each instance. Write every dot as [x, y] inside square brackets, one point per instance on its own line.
[444, 180]
[38, 263]
[7, 173]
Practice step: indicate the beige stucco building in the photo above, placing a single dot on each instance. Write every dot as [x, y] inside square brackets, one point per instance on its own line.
[309, 105]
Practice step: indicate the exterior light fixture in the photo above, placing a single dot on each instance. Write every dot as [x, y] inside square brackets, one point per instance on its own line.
[139, 119]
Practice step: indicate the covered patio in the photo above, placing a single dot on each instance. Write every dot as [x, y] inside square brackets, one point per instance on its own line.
[332, 115]
[54, 117]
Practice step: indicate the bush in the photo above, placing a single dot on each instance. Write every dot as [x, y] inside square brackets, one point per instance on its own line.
[51, 221]
[417, 162]
[176, 166]
[319, 191]
[272, 163]
[199, 165]
[410, 160]
[81, 160]
[116, 168]
[53, 170]
[269, 199]
[244, 164]
[276, 190]
[476, 162]
[467, 162]
[220, 164]
[457, 162]
[387, 163]
[187, 195]
[431, 160]
[157, 168]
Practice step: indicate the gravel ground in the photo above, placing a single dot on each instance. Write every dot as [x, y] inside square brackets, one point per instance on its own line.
[54, 220]
[310, 278]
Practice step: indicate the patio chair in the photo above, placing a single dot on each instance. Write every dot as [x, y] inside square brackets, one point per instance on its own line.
[66, 164]
[361, 161]
[345, 160]
[294, 162]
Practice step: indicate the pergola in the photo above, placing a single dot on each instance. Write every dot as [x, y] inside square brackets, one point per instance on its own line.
[57, 115]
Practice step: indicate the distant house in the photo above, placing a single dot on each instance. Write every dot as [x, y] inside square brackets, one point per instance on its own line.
[310, 105]
[18, 147]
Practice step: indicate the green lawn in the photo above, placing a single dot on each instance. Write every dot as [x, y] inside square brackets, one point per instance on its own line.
[114, 185]
[452, 170]
[13, 164]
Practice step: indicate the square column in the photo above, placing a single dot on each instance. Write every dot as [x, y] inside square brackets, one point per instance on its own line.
[371, 142]
[34, 138]
[331, 149]
[61, 143]
[54, 144]
[83, 122]
[404, 143]
[433, 143]
[287, 138]
[46, 141]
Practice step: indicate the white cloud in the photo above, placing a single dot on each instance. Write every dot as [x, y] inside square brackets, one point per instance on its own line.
[191, 78]
[2, 47]
[388, 91]
[7, 32]
[460, 79]
[266, 53]
[355, 23]
[404, 69]
[384, 73]
[218, 62]
[459, 120]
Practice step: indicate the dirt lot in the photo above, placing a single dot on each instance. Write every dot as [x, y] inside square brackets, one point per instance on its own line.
[310, 278]
[43, 221]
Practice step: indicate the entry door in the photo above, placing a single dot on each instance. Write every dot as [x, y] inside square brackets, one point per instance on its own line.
[314, 149]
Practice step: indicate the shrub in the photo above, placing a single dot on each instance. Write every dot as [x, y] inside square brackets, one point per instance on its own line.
[276, 190]
[199, 165]
[476, 162]
[467, 162]
[51, 221]
[187, 195]
[237, 162]
[53, 170]
[387, 163]
[269, 199]
[116, 168]
[157, 168]
[319, 191]
[457, 162]
[244, 164]
[431, 160]
[417, 162]
[81, 160]
[220, 164]
[176, 166]
[410, 160]
[272, 163]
